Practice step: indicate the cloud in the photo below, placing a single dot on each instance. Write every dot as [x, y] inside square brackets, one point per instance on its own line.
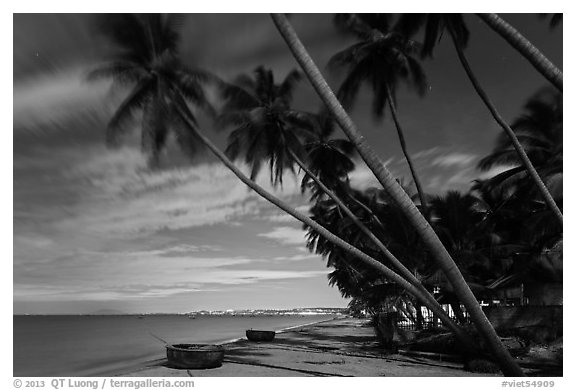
[287, 218]
[300, 257]
[92, 275]
[118, 195]
[362, 177]
[54, 97]
[440, 169]
[283, 217]
[286, 235]
[454, 159]
[176, 250]
[423, 154]
[494, 171]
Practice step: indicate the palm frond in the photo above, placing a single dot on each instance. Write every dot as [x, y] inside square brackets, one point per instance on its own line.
[433, 33]
[352, 24]
[237, 97]
[127, 32]
[409, 24]
[418, 78]
[351, 85]
[122, 72]
[133, 102]
[286, 89]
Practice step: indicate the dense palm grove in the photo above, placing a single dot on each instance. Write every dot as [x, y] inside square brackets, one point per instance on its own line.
[383, 253]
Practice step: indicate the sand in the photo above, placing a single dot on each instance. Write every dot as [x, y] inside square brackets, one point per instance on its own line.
[342, 347]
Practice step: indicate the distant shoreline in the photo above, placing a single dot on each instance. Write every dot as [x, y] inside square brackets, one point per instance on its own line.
[230, 313]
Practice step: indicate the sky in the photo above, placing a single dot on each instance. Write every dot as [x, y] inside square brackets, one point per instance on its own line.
[94, 230]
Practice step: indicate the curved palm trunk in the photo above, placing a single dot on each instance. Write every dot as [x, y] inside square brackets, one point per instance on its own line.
[367, 209]
[527, 49]
[462, 336]
[346, 191]
[421, 193]
[403, 201]
[508, 130]
[405, 272]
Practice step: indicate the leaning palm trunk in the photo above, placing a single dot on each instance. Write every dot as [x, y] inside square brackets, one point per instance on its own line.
[402, 200]
[462, 336]
[401, 268]
[525, 47]
[421, 193]
[508, 130]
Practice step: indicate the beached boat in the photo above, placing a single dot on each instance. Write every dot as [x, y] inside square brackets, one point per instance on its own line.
[260, 335]
[196, 356]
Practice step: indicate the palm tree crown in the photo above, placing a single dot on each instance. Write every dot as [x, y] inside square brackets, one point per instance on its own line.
[383, 60]
[434, 26]
[329, 159]
[266, 129]
[539, 130]
[147, 61]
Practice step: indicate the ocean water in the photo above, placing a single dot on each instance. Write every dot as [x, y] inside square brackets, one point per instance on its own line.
[110, 345]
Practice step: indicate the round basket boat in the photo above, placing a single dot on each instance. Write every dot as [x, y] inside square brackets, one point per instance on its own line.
[260, 335]
[195, 355]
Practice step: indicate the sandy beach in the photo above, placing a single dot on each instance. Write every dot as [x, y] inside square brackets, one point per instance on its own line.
[341, 347]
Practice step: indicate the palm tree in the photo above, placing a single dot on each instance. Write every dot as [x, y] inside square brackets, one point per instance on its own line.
[383, 60]
[540, 132]
[329, 159]
[401, 199]
[175, 101]
[520, 255]
[267, 129]
[146, 61]
[525, 47]
[461, 223]
[463, 337]
[396, 232]
[435, 25]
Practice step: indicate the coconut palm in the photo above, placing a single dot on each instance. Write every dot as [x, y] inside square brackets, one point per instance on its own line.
[520, 255]
[145, 60]
[435, 25]
[459, 220]
[268, 130]
[351, 277]
[540, 132]
[383, 60]
[463, 337]
[175, 102]
[525, 47]
[400, 198]
[329, 159]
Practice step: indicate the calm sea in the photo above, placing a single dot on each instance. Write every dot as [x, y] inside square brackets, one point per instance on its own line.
[109, 345]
